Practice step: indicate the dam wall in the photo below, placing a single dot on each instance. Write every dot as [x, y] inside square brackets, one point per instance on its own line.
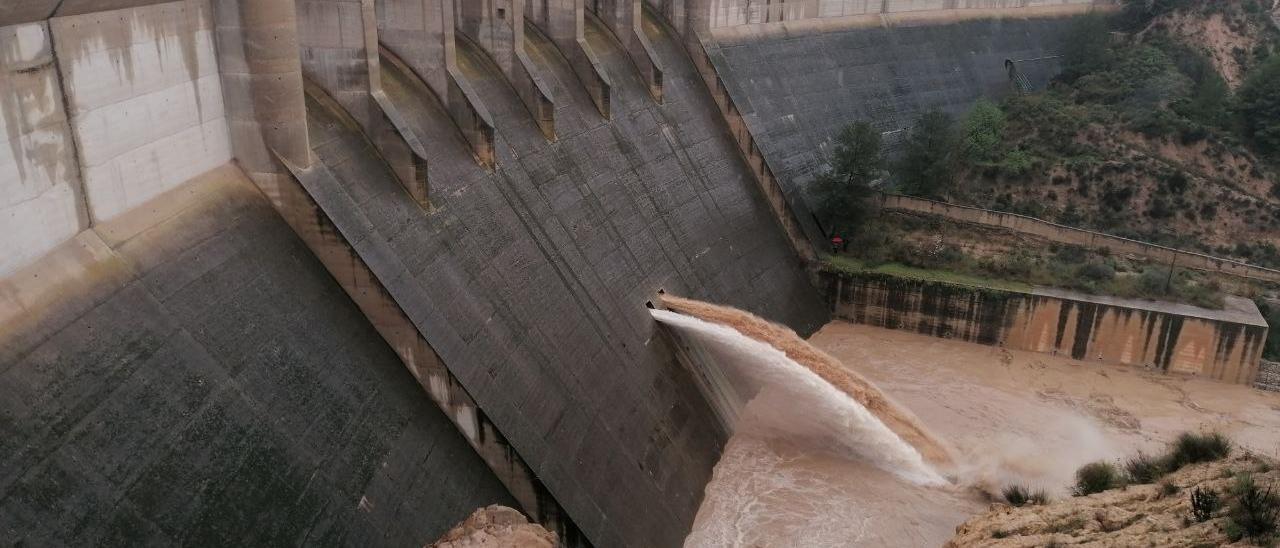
[732, 13]
[530, 280]
[1223, 344]
[498, 217]
[188, 374]
[795, 85]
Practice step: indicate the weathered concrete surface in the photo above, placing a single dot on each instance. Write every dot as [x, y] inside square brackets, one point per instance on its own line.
[258, 57]
[188, 374]
[530, 280]
[144, 98]
[41, 204]
[795, 91]
[1219, 344]
[29, 11]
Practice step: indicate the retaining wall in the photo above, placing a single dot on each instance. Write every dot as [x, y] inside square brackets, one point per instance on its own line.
[102, 112]
[144, 99]
[41, 197]
[1268, 376]
[1219, 344]
[1078, 236]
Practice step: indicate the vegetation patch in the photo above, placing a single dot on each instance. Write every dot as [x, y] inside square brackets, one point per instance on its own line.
[1192, 447]
[1096, 477]
[1019, 495]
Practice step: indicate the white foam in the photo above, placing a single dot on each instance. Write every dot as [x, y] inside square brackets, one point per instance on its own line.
[782, 399]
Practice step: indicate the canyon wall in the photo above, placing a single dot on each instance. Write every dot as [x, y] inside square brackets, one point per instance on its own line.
[1219, 344]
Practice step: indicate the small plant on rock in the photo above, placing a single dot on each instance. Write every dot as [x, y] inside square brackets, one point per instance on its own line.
[1168, 489]
[1255, 511]
[1018, 495]
[1142, 469]
[1095, 477]
[1204, 502]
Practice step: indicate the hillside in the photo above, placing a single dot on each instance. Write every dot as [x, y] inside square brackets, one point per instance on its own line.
[1147, 133]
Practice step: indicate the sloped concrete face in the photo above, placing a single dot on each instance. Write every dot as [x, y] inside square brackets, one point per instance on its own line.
[796, 91]
[40, 195]
[530, 280]
[190, 375]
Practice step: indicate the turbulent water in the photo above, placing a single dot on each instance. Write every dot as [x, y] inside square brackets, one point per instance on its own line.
[760, 391]
[820, 456]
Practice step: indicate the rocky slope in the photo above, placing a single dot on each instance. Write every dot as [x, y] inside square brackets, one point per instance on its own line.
[496, 527]
[1137, 515]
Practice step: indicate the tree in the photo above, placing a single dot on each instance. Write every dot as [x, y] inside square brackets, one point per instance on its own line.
[1259, 100]
[844, 191]
[1085, 47]
[983, 132]
[928, 160]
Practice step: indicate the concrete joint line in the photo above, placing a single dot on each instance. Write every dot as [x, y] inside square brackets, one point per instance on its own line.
[84, 211]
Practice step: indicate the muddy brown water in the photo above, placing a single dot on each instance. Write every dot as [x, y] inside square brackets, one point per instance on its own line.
[1009, 416]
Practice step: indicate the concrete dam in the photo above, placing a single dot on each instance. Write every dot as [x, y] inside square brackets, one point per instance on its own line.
[339, 272]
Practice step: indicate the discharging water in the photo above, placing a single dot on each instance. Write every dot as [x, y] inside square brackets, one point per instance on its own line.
[759, 391]
[1009, 417]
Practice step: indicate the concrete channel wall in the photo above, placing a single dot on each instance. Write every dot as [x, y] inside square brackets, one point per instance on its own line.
[41, 195]
[1220, 344]
[107, 110]
[1053, 232]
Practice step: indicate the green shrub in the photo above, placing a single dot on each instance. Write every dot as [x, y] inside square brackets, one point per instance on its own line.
[1204, 502]
[1098, 272]
[1142, 469]
[1018, 495]
[1095, 477]
[927, 165]
[983, 131]
[1259, 104]
[1017, 163]
[1168, 488]
[1255, 510]
[1191, 448]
